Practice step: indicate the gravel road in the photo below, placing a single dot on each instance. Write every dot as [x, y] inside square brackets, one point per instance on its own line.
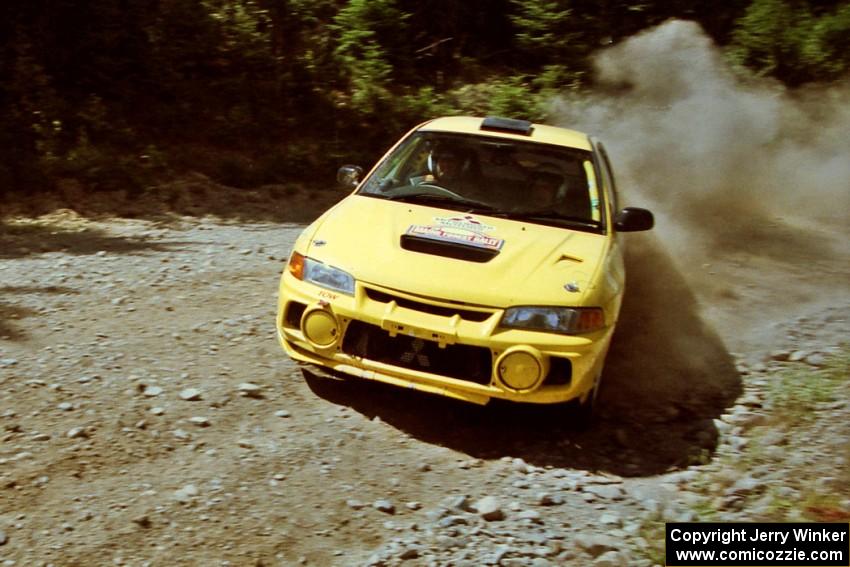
[148, 416]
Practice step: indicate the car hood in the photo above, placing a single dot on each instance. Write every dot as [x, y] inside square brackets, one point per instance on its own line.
[534, 266]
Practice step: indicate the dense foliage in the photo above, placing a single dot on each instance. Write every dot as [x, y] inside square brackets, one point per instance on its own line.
[115, 93]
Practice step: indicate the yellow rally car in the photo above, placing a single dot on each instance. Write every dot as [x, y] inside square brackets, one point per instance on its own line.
[479, 259]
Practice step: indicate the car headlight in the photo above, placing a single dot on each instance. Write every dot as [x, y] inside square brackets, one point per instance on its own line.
[565, 320]
[310, 270]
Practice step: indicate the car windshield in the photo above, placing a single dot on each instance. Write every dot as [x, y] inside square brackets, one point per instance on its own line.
[523, 180]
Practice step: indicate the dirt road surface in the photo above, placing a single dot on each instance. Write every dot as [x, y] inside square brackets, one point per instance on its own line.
[148, 416]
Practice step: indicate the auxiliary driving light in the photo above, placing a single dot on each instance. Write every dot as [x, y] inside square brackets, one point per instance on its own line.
[522, 368]
[320, 327]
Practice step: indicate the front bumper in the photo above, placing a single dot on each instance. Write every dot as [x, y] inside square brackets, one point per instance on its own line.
[431, 345]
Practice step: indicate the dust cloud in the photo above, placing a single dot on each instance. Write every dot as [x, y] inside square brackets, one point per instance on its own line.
[750, 185]
[713, 154]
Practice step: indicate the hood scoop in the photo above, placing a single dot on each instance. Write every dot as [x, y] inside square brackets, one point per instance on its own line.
[447, 249]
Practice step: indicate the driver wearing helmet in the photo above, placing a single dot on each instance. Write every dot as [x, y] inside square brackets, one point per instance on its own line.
[451, 168]
[445, 165]
[544, 190]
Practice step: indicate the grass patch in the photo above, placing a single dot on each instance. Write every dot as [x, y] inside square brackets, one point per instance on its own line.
[820, 507]
[798, 392]
[654, 533]
[801, 452]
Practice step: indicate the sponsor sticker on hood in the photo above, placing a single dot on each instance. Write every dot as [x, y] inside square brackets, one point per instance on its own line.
[467, 222]
[457, 232]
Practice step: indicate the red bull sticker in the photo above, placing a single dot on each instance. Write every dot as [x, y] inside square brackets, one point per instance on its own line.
[456, 234]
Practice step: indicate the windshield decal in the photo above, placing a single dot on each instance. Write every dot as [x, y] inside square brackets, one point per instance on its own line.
[456, 234]
[467, 222]
[594, 191]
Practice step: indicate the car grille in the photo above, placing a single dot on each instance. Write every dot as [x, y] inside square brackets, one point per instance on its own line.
[462, 362]
[442, 310]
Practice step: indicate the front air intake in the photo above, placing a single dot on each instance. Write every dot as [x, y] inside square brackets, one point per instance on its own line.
[461, 362]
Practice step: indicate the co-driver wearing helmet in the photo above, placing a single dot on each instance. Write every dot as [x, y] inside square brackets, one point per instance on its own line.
[544, 190]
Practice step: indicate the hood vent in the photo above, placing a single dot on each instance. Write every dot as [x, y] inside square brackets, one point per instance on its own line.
[447, 249]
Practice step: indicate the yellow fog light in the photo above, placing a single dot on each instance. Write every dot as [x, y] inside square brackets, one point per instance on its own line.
[320, 327]
[522, 368]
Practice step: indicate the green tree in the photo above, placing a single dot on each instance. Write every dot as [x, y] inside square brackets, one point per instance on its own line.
[363, 27]
[90, 88]
[827, 49]
[792, 41]
[544, 29]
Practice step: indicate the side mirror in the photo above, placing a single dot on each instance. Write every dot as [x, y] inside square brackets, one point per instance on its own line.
[633, 219]
[349, 176]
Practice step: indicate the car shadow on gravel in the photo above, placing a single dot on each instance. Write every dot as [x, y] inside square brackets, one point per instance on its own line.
[10, 313]
[667, 377]
[21, 240]
[188, 195]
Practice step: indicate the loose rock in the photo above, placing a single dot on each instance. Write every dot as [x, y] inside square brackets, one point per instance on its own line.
[200, 421]
[76, 433]
[610, 559]
[249, 390]
[384, 506]
[152, 391]
[186, 493]
[489, 509]
[604, 491]
[597, 544]
[190, 395]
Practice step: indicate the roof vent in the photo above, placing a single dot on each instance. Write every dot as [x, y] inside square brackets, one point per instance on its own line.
[508, 125]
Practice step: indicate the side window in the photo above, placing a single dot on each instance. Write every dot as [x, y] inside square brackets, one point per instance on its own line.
[610, 182]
